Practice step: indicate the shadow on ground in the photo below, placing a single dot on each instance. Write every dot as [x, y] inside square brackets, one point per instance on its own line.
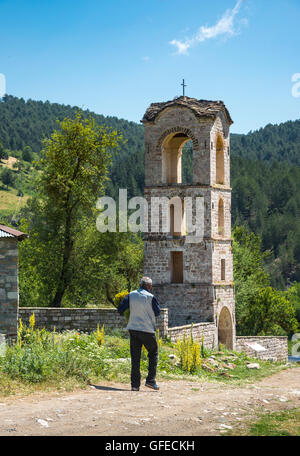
[110, 388]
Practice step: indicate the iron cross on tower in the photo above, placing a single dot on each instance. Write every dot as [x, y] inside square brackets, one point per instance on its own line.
[183, 87]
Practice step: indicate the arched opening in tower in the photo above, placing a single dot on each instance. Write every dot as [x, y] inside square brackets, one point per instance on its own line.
[177, 157]
[221, 217]
[225, 331]
[220, 160]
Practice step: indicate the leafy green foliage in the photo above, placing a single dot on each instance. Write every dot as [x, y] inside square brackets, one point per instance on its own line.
[249, 274]
[41, 356]
[105, 263]
[189, 353]
[118, 299]
[74, 168]
[27, 154]
[260, 310]
[266, 199]
[279, 143]
[293, 295]
[7, 177]
[271, 314]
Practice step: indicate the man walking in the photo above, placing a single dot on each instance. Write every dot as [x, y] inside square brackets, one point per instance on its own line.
[143, 308]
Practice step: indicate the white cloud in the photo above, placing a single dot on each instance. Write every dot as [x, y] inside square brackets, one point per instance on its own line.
[182, 48]
[224, 27]
[2, 85]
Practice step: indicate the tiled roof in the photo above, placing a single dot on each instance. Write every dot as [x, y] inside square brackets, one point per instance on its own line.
[6, 231]
[4, 234]
[201, 108]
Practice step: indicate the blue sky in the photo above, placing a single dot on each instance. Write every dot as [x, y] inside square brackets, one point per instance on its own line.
[116, 57]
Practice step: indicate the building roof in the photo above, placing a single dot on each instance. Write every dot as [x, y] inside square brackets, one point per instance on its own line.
[201, 108]
[6, 231]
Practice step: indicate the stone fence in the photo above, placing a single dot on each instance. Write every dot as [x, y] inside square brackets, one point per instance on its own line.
[87, 320]
[207, 330]
[276, 347]
[82, 319]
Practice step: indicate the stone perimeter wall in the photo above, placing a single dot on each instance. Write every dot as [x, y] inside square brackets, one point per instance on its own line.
[207, 330]
[82, 319]
[277, 347]
[88, 319]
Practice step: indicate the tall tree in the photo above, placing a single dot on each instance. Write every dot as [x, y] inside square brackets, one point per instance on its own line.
[27, 154]
[74, 169]
[260, 310]
[7, 177]
[271, 313]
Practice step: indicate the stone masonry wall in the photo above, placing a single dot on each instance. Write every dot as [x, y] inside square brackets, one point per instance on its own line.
[211, 199]
[277, 347]
[208, 330]
[88, 319]
[8, 287]
[222, 250]
[156, 223]
[196, 261]
[82, 319]
[224, 295]
[186, 303]
[216, 195]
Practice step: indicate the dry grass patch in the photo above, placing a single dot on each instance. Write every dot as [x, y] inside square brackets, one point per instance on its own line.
[9, 162]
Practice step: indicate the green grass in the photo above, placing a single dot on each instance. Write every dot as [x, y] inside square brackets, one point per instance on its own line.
[44, 360]
[286, 423]
[9, 201]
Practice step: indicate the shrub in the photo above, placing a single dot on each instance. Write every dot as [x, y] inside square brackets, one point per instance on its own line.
[189, 353]
[41, 355]
[100, 335]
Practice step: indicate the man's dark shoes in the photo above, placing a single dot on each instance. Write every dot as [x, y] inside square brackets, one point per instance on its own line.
[152, 386]
[133, 388]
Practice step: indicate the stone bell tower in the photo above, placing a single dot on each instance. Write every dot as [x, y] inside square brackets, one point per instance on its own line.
[194, 280]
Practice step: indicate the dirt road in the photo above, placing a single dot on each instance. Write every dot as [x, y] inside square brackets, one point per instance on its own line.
[179, 408]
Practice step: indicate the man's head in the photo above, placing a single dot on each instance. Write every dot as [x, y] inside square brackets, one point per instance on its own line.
[146, 283]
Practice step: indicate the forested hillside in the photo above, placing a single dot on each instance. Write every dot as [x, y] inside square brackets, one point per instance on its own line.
[272, 143]
[265, 172]
[27, 123]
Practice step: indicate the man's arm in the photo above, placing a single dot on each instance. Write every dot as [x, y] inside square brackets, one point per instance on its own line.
[124, 305]
[155, 306]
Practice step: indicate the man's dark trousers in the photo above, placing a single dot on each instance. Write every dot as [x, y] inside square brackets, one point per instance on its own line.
[137, 340]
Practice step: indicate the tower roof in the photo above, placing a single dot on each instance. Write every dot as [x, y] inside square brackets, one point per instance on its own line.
[201, 108]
